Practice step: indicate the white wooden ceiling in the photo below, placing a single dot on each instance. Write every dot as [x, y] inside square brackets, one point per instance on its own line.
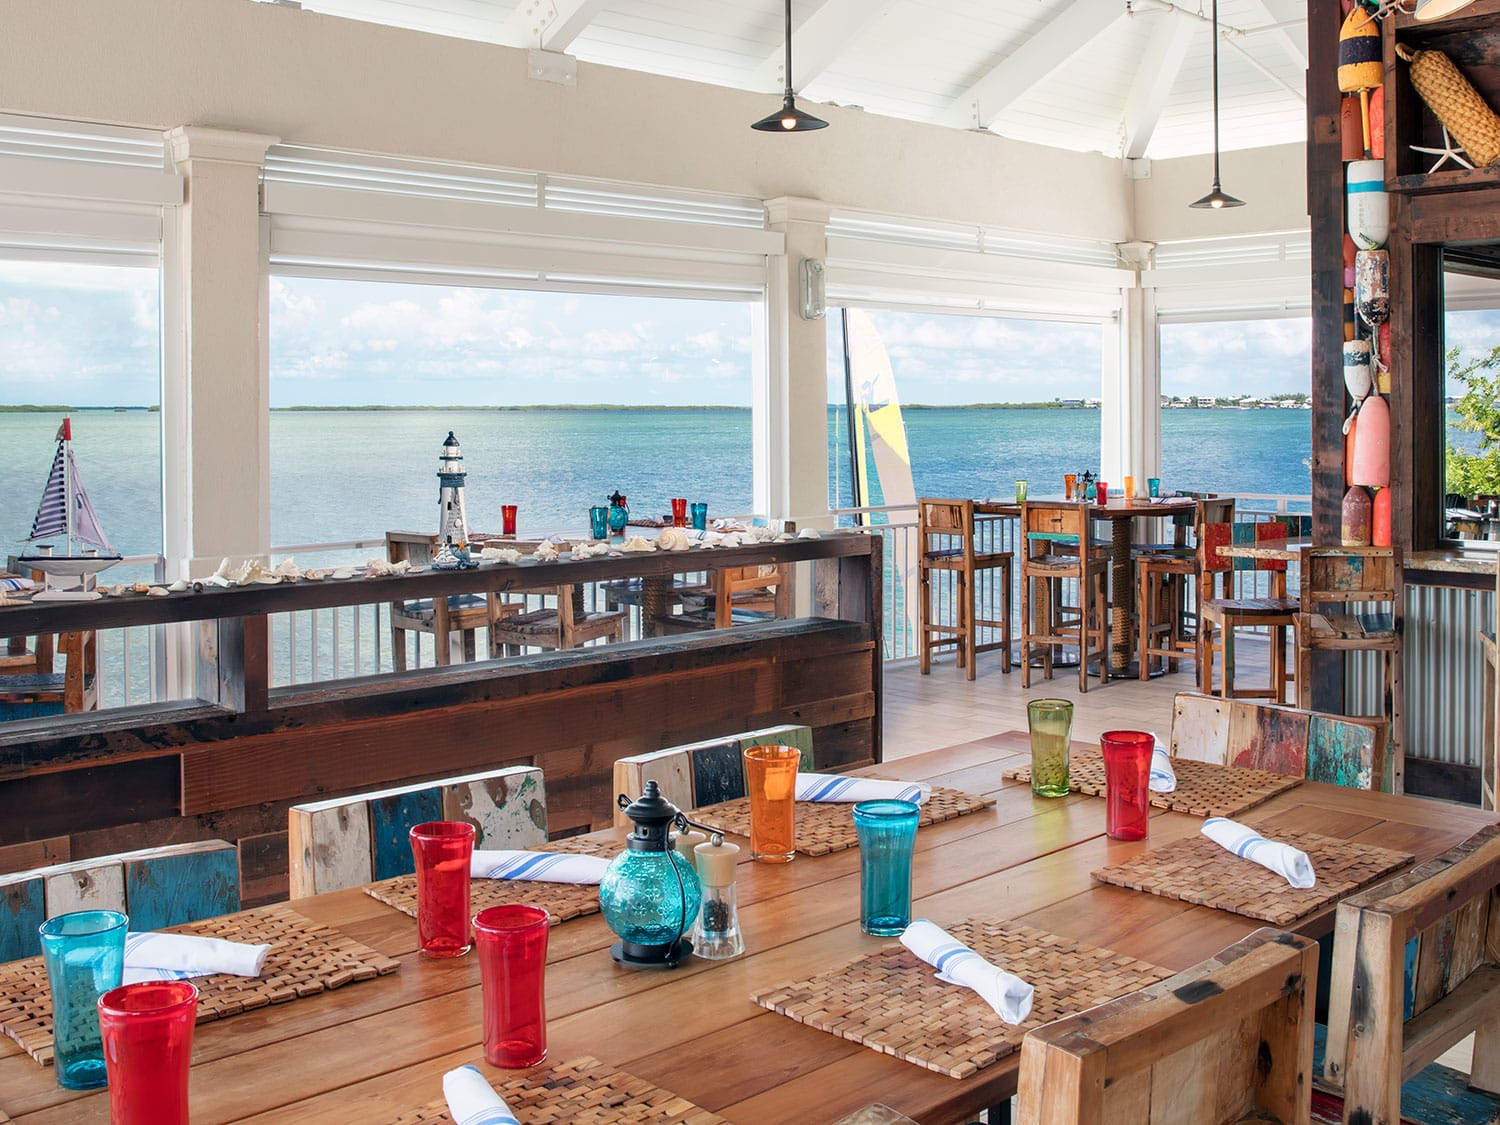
[1123, 77]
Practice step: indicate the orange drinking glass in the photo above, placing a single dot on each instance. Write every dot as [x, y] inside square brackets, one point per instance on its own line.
[1070, 484]
[771, 777]
[1130, 488]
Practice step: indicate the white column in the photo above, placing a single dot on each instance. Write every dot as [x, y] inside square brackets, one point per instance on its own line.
[216, 476]
[1130, 393]
[790, 403]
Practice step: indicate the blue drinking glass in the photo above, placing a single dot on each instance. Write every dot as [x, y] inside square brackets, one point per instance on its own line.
[85, 957]
[599, 522]
[698, 515]
[887, 833]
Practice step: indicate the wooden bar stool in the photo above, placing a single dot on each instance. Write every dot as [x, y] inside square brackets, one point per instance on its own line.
[1162, 597]
[945, 540]
[1221, 616]
[1056, 548]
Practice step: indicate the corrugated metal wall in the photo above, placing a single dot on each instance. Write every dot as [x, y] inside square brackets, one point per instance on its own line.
[1443, 668]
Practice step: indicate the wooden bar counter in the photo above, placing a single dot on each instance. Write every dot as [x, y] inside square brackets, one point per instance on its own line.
[229, 763]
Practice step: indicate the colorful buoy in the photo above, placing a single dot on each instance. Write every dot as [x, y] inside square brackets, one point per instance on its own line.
[1380, 519]
[1372, 286]
[1369, 209]
[1357, 377]
[1377, 123]
[1348, 314]
[1355, 518]
[1371, 463]
[1351, 129]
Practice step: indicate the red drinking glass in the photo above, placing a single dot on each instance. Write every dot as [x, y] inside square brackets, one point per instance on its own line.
[147, 1030]
[507, 519]
[1101, 491]
[442, 849]
[1127, 778]
[512, 943]
[679, 511]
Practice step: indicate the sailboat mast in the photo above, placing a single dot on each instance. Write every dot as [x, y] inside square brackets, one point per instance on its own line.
[67, 437]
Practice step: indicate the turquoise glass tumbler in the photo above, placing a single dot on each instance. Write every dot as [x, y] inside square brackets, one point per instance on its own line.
[599, 522]
[887, 834]
[699, 516]
[85, 957]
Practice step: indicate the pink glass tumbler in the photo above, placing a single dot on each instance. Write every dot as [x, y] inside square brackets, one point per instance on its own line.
[442, 849]
[147, 1030]
[1127, 778]
[512, 943]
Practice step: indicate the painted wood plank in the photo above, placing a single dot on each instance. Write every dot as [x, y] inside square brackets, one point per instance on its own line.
[168, 886]
[22, 910]
[671, 769]
[718, 772]
[508, 808]
[1279, 742]
[1243, 534]
[1434, 955]
[1200, 729]
[36, 853]
[1341, 753]
[91, 884]
[1409, 980]
[328, 846]
[392, 815]
[788, 734]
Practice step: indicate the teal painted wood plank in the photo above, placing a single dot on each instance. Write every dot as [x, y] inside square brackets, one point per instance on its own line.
[1243, 534]
[508, 808]
[391, 820]
[22, 910]
[167, 890]
[1340, 753]
[1409, 979]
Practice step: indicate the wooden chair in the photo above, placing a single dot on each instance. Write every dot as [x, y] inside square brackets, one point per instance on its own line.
[1353, 752]
[564, 625]
[349, 841]
[734, 595]
[441, 617]
[703, 773]
[1367, 580]
[1414, 972]
[1490, 721]
[1228, 1040]
[1161, 599]
[1221, 616]
[945, 542]
[1056, 548]
[156, 887]
[29, 684]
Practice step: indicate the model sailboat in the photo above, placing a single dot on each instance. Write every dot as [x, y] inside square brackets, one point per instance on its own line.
[65, 510]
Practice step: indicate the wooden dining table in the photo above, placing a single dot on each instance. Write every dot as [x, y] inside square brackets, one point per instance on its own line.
[370, 1051]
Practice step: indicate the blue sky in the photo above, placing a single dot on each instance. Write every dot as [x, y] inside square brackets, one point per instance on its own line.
[88, 336]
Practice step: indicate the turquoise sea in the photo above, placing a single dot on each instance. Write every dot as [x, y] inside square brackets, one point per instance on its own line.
[355, 474]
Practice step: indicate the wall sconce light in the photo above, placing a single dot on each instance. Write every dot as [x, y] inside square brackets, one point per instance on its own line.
[814, 290]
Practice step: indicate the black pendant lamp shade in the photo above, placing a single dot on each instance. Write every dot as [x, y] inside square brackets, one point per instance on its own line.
[1217, 199]
[789, 119]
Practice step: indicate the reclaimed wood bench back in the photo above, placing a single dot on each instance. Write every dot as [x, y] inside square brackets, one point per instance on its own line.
[357, 839]
[1415, 971]
[1229, 1039]
[1338, 749]
[155, 887]
[703, 773]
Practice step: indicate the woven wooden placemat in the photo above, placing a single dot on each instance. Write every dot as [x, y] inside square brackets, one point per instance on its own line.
[1199, 871]
[892, 1001]
[584, 1091]
[305, 958]
[1203, 789]
[560, 900]
[828, 826]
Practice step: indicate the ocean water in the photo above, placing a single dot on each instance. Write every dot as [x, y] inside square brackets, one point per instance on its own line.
[355, 474]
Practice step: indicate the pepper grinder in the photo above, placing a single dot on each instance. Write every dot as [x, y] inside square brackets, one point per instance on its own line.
[716, 933]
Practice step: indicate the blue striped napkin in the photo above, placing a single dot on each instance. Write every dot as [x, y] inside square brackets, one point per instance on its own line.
[538, 867]
[1291, 864]
[956, 963]
[841, 787]
[1163, 776]
[473, 1101]
[153, 956]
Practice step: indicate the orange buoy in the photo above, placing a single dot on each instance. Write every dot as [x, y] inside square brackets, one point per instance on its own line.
[1361, 67]
[1377, 123]
[1349, 315]
[1371, 463]
[1351, 129]
[1380, 519]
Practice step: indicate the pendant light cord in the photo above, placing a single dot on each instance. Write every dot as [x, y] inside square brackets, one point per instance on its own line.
[1216, 95]
[788, 40]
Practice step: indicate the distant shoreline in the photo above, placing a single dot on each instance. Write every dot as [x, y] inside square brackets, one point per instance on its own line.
[1071, 404]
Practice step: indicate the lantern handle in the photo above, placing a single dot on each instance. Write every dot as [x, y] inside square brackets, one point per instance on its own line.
[715, 835]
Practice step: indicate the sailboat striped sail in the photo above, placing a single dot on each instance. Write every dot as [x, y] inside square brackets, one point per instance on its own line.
[67, 511]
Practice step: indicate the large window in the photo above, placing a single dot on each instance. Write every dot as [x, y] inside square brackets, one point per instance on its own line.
[558, 399]
[1236, 415]
[1471, 340]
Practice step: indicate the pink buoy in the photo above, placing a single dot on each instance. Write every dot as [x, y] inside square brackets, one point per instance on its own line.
[1352, 424]
[1371, 463]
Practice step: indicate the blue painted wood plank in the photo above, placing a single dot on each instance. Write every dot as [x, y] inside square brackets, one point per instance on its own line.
[1340, 753]
[165, 889]
[22, 910]
[718, 772]
[1409, 982]
[391, 820]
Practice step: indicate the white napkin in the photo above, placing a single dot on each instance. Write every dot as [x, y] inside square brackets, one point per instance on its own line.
[473, 1101]
[956, 963]
[153, 956]
[839, 787]
[538, 867]
[1286, 861]
[1163, 776]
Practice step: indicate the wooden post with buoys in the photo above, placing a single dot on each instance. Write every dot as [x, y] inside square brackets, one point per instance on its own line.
[1361, 67]
[1371, 464]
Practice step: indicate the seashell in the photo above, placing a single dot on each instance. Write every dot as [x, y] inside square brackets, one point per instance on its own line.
[729, 539]
[636, 544]
[179, 586]
[156, 592]
[809, 533]
[341, 572]
[139, 588]
[673, 539]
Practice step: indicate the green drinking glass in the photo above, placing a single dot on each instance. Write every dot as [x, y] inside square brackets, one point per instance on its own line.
[1051, 724]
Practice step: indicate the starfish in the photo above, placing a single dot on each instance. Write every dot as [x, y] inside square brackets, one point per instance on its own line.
[1449, 151]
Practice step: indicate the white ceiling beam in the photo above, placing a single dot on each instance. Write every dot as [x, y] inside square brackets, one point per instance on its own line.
[551, 25]
[1154, 79]
[1067, 33]
[1292, 44]
[820, 40]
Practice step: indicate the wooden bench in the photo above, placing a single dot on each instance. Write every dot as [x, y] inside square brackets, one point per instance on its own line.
[703, 773]
[1355, 752]
[1414, 972]
[156, 887]
[1227, 1040]
[347, 841]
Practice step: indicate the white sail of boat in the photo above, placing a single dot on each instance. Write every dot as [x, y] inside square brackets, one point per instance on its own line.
[67, 511]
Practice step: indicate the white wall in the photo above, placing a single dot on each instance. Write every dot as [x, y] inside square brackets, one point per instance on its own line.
[1271, 181]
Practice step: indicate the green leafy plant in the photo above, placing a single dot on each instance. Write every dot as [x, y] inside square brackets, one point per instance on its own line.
[1478, 410]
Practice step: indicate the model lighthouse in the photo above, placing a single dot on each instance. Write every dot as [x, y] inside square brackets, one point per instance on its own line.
[453, 522]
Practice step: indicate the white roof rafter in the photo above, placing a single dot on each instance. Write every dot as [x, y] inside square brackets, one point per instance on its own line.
[1154, 79]
[821, 39]
[551, 25]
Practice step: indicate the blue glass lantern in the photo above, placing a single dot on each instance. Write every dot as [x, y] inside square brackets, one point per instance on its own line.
[650, 894]
[619, 513]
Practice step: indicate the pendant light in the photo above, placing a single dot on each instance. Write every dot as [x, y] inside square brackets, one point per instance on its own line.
[789, 119]
[1217, 199]
[1437, 9]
